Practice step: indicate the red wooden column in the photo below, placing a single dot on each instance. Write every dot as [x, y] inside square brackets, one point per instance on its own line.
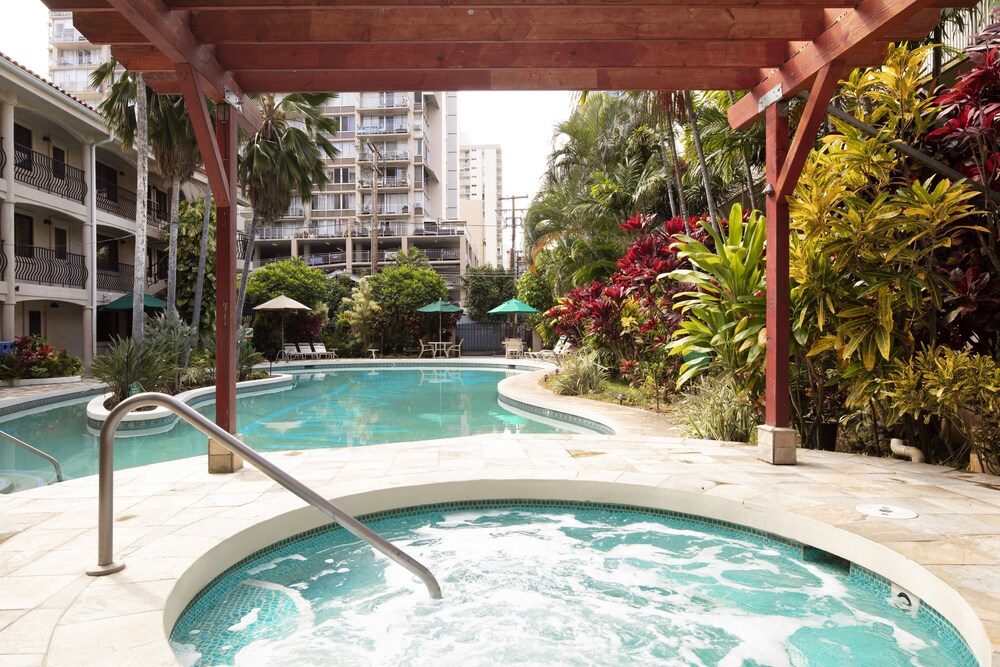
[226, 318]
[776, 396]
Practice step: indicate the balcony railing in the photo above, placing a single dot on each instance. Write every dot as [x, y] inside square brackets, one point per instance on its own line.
[321, 259]
[45, 266]
[121, 202]
[75, 62]
[366, 183]
[403, 209]
[67, 36]
[387, 156]
[115, 276]
[398, 128]
[156, 271]
[378, 102]
[442, 255]
[3, 157]
[44, 173]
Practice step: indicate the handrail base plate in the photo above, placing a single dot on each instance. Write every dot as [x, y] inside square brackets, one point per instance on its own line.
[110, 568]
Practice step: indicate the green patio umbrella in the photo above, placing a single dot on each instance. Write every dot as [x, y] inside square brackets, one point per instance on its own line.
[513, 307]
[440, 306]
[125, 303]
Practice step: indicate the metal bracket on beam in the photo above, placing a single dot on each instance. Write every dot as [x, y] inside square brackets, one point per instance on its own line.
[769, 98]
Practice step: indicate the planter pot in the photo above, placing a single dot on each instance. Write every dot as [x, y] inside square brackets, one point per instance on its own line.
[824, 437]
[34, 382]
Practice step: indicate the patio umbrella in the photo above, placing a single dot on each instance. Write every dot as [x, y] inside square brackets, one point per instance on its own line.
[125, 303]
[282, 303]
[513, 307]
[440, 306]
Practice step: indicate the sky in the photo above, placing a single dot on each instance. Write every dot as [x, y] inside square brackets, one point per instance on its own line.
[520, 122]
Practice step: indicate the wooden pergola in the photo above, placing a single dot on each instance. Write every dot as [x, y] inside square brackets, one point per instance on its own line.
[226, 49]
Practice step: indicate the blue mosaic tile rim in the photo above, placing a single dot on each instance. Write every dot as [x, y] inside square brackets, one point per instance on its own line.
[557, 414]
[194, 402]
[375, 364]
[876, 583]
[42, 400]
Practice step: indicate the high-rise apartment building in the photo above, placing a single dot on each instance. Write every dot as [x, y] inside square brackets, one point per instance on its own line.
[72, 59]
[392, 187]
[480, 186]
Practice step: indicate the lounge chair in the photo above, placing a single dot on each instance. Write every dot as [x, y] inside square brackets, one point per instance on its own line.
[319, 349]
[548, 355]
[454, 347]
[289, 352]
[306, 351]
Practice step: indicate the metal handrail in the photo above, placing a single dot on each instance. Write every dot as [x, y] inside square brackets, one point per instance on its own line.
[34, 450]
[105, 482]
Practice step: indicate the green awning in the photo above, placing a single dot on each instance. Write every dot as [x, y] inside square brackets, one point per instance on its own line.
[125, 303]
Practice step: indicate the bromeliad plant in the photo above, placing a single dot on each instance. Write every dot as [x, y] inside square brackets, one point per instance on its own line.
[34, 358]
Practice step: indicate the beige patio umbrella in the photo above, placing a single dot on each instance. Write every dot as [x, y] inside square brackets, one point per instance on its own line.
[282, 303]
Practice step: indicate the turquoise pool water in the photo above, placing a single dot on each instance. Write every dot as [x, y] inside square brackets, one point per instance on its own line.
[332, 408]
[556, 586]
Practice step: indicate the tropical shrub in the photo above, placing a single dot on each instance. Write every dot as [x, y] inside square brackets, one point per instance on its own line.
[958, 392]
[362, 315]
[130, 366]
[33, 357]
[175, 338]
[723, 326]
[486, 287]
[579, 375]
[189, 228]
[400, 291]
[246, 358]
[717, 407]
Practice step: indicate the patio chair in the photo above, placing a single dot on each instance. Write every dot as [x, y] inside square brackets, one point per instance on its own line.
[513, 348]
[289, 352]
[425, 346]
[306, 351]
[454, 347]
[319, 349]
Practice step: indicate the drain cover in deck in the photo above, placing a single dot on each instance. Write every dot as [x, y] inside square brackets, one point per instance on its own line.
[887, 511]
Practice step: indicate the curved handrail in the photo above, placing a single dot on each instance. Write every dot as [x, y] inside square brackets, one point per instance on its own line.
[105, 522]
[34, 450]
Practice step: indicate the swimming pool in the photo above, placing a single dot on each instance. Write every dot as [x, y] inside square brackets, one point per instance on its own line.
[324, 408]
[571, 584]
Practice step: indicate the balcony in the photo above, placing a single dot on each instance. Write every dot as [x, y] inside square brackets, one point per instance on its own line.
[77, 61]
[387, 156]
[118, 201]
[374, 130]
[45, 266]
[442, 255]
[403, 209]
[383, 102]
[70, 35]
[115, 276]
[326, 258]
[384, 183]
[42, 172]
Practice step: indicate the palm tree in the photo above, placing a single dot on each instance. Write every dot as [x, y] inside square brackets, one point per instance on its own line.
[171, 138]
[199, 285]
[284, 158]
[713, 214]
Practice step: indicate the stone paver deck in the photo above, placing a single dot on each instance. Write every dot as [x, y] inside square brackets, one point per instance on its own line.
[167, 516]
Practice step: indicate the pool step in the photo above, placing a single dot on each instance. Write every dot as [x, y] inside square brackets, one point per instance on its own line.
[13, 481]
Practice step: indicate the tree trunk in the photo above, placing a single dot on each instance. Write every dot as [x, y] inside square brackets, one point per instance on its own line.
[746, 165]
[681, 201]
[247, 258]
[713, 214]
[175, 203]
[666, 177]
[141, 209]
[199, 285]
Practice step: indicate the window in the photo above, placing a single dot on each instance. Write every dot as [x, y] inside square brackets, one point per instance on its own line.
[342, 175]
[346, 123]
[107, 253]
[345, 149]
[418, 147]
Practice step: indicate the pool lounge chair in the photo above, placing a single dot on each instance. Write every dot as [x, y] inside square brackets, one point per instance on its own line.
[306, 351]
[548, 355]
[319, 349]
[288, 353]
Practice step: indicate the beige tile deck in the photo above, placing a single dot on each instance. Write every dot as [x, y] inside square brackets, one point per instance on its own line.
[168, 515]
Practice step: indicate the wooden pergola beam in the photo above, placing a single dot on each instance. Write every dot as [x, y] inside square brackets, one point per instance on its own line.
[871, 19]
[284, 5]
[201, 121]
[164, 29]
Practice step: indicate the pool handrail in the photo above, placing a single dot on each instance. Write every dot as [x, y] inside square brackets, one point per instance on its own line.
[34, 450]
[105, 482]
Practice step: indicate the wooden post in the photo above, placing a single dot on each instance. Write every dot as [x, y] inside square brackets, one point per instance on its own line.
[226, 317]
[775, 441]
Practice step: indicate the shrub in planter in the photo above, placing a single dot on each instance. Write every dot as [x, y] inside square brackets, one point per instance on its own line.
[719, 408]
[34, 358]
[146, 363]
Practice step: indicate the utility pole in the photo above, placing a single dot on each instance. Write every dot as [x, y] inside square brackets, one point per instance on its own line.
[376, 172]
[513, 227]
